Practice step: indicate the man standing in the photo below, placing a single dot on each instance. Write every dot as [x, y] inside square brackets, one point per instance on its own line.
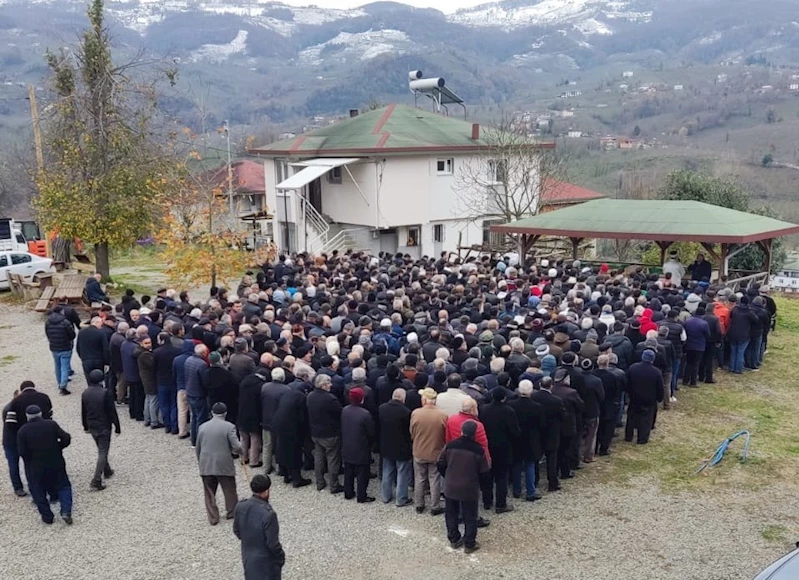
[98, 415]
[428, 433]
[528, 451]
[216, 445]
[573, 410]
[163, 357]
[357, 435]
[553, 416]
[463, 463]
[255, 524]
[146, 364]
[645, 386]
[675, 268]
[60, 335]
[115, 349]
[324, 417]
[395, 448]
[130, 369]
[92, 347]
[271, 394]
[502, 429]
[701, 269]
[198, 401]
[697, 332]
[40, 443]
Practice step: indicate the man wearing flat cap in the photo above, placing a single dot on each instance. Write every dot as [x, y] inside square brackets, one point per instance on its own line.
[217, 444]
[40, 443]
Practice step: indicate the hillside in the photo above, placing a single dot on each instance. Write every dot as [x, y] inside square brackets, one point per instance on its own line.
[277, 63]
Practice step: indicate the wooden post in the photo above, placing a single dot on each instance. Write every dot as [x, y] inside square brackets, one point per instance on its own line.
[664, 246]
[767, 247]
[725, 250]
[575, 246]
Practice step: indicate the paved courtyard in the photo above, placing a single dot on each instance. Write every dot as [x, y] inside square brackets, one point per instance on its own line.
[150, 523]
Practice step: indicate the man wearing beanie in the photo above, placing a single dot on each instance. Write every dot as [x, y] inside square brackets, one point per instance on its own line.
[357, 436]
[645, 387]
[217, 443]
[463, 463]
[255, 524]
[99, 414]
[40, 443]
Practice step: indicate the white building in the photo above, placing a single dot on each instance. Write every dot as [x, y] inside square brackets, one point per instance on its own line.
[794, 87]
[575, 134]
[387, 180]
[628, 74]
[787, 279]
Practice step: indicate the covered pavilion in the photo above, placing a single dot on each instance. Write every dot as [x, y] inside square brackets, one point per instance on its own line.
[661, 221]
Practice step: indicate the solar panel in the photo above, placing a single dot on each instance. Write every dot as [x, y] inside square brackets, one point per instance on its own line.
[435, 89]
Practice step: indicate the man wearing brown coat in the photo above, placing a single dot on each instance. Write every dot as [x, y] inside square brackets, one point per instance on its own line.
[428, 435]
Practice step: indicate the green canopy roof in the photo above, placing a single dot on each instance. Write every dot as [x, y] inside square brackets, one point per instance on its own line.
[657, 220]
[391, 129]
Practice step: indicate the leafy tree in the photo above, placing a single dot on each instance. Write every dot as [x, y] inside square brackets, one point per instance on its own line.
[103, 181]
[637, 131]
[768, 159]
[689, 185]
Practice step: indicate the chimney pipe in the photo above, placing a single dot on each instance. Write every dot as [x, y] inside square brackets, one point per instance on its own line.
[475, 132]
[353, 112]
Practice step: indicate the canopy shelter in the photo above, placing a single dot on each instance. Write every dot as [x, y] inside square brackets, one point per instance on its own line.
[313, 169]
[661, 221]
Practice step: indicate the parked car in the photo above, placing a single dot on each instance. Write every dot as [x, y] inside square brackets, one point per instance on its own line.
[28, 265]
[786, 568]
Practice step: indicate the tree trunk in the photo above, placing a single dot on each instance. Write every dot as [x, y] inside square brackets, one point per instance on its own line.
[101, 263]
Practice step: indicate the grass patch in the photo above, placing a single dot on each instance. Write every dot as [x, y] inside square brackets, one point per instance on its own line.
[6, 326]
[774, 533]
[7, 360]
[764, 403]
[124, 281]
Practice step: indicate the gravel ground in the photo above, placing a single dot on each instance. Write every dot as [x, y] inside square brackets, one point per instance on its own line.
[150, 523]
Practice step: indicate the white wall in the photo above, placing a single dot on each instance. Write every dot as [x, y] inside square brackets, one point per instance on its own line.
[399, 192]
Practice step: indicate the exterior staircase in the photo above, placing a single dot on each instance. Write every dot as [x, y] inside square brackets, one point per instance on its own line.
[327, 236]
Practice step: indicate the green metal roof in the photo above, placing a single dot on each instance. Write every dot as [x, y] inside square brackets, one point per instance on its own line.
[391, 129]
[658, 220]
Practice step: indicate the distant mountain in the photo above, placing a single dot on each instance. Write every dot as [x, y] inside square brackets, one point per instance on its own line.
[271, 60]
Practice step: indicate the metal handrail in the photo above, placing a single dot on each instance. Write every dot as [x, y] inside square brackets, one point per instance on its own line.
[760, 277]
[318, 223]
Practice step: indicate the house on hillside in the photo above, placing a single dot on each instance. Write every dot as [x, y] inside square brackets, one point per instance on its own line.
[557, 194]
[787, 279]
[385, 180]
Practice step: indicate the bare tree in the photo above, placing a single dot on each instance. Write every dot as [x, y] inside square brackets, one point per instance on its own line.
[512, 177]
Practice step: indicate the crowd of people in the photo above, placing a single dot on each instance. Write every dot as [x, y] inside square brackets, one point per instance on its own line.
[465, 380]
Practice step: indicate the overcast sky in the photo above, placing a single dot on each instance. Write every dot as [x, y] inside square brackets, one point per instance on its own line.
[443, 5]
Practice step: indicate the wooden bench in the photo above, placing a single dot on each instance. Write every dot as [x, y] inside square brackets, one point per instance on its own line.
[43, 304]
[71, 288]
[21, 287]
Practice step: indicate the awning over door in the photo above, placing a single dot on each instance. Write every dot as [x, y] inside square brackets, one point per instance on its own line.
[312, 169]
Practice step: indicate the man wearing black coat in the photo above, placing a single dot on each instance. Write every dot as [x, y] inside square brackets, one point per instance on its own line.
[92, 347]
[60, 335]
[574, 406]
[221, 387]
[554, 413]
[163, 359]
[40, 443]
[609, 409]
[324, 417]
[528, 449]
[248, 420]
[645, 387]
[712, 344]
[98, 415]
[357, 435]
[289, 429]
[594, 398]
[502, 430]
[271, 394]
[395, 448]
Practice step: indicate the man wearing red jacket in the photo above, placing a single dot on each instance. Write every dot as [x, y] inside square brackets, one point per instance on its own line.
[468, 413]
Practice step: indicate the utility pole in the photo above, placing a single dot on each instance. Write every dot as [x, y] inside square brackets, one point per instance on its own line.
[37, 131]
[226, 128]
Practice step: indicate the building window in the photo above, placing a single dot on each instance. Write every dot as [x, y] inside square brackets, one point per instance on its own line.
[334, 175]
[413, 236]
[438, 233]
[492, 239]
[445, 166]
[281, 170]
[496, 171]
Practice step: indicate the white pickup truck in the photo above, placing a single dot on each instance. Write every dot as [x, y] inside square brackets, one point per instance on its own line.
[11, 236]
